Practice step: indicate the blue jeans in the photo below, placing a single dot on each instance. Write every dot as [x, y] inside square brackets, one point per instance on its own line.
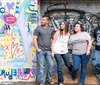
[96, 61]
[41, 56]
[77, 61]
[58, 58]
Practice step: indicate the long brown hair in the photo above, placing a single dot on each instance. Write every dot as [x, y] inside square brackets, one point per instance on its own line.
[81, 26]
[66, 28]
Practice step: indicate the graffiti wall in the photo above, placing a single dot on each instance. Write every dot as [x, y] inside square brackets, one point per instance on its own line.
[85, 12]
[18, 18]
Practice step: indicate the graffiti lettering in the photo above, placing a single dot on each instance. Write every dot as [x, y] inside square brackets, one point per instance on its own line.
[23, 74]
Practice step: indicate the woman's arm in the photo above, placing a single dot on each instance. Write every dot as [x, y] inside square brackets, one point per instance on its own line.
[70, 39]
[89, 47]
[53, 42]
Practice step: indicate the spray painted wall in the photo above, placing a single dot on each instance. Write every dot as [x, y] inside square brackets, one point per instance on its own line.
[86, 12]
[18, 18]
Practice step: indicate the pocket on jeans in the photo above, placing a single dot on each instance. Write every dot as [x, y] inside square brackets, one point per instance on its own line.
[49, 53]
[38, 53]
[87, 55]
[93, 58]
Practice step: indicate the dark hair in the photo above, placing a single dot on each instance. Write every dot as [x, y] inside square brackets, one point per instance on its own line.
[81, 26]
[47, 16]
[66, 28]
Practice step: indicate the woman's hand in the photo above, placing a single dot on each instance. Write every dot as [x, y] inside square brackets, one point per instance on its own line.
[88, 52]
[52, 54]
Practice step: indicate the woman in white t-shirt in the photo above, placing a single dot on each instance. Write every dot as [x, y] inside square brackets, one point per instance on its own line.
[81, 45]
[60, 49]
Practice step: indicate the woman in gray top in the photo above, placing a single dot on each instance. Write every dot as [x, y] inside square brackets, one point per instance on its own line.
[81, 45]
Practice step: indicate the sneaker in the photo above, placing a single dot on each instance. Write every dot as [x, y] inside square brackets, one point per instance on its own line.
[80, 84]
[60, 84]
[41, 84]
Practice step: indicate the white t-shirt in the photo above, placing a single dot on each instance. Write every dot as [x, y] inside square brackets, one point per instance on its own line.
[61, 45]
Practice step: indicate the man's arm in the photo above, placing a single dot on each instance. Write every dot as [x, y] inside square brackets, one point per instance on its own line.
[35, 43]
[35, 37]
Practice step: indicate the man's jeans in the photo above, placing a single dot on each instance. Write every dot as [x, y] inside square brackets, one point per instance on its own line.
[58, 58]
[96, 61]
[41, 56]
[77, 61]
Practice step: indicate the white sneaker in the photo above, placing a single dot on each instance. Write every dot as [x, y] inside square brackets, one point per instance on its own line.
[61, 84]
[41, 84]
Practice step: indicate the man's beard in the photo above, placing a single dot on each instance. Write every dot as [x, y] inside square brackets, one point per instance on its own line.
[43, 24]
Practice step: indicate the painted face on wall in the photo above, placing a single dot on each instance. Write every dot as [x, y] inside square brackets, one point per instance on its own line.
[98, 39]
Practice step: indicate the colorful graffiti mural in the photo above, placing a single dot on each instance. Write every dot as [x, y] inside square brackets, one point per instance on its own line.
[17, 74]
[18, 18]
[31, 14]
[11, 41]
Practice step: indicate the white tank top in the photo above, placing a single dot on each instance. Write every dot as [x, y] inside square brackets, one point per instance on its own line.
[61, 45]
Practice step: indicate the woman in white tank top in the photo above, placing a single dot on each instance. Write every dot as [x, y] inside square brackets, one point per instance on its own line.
[60, 50]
